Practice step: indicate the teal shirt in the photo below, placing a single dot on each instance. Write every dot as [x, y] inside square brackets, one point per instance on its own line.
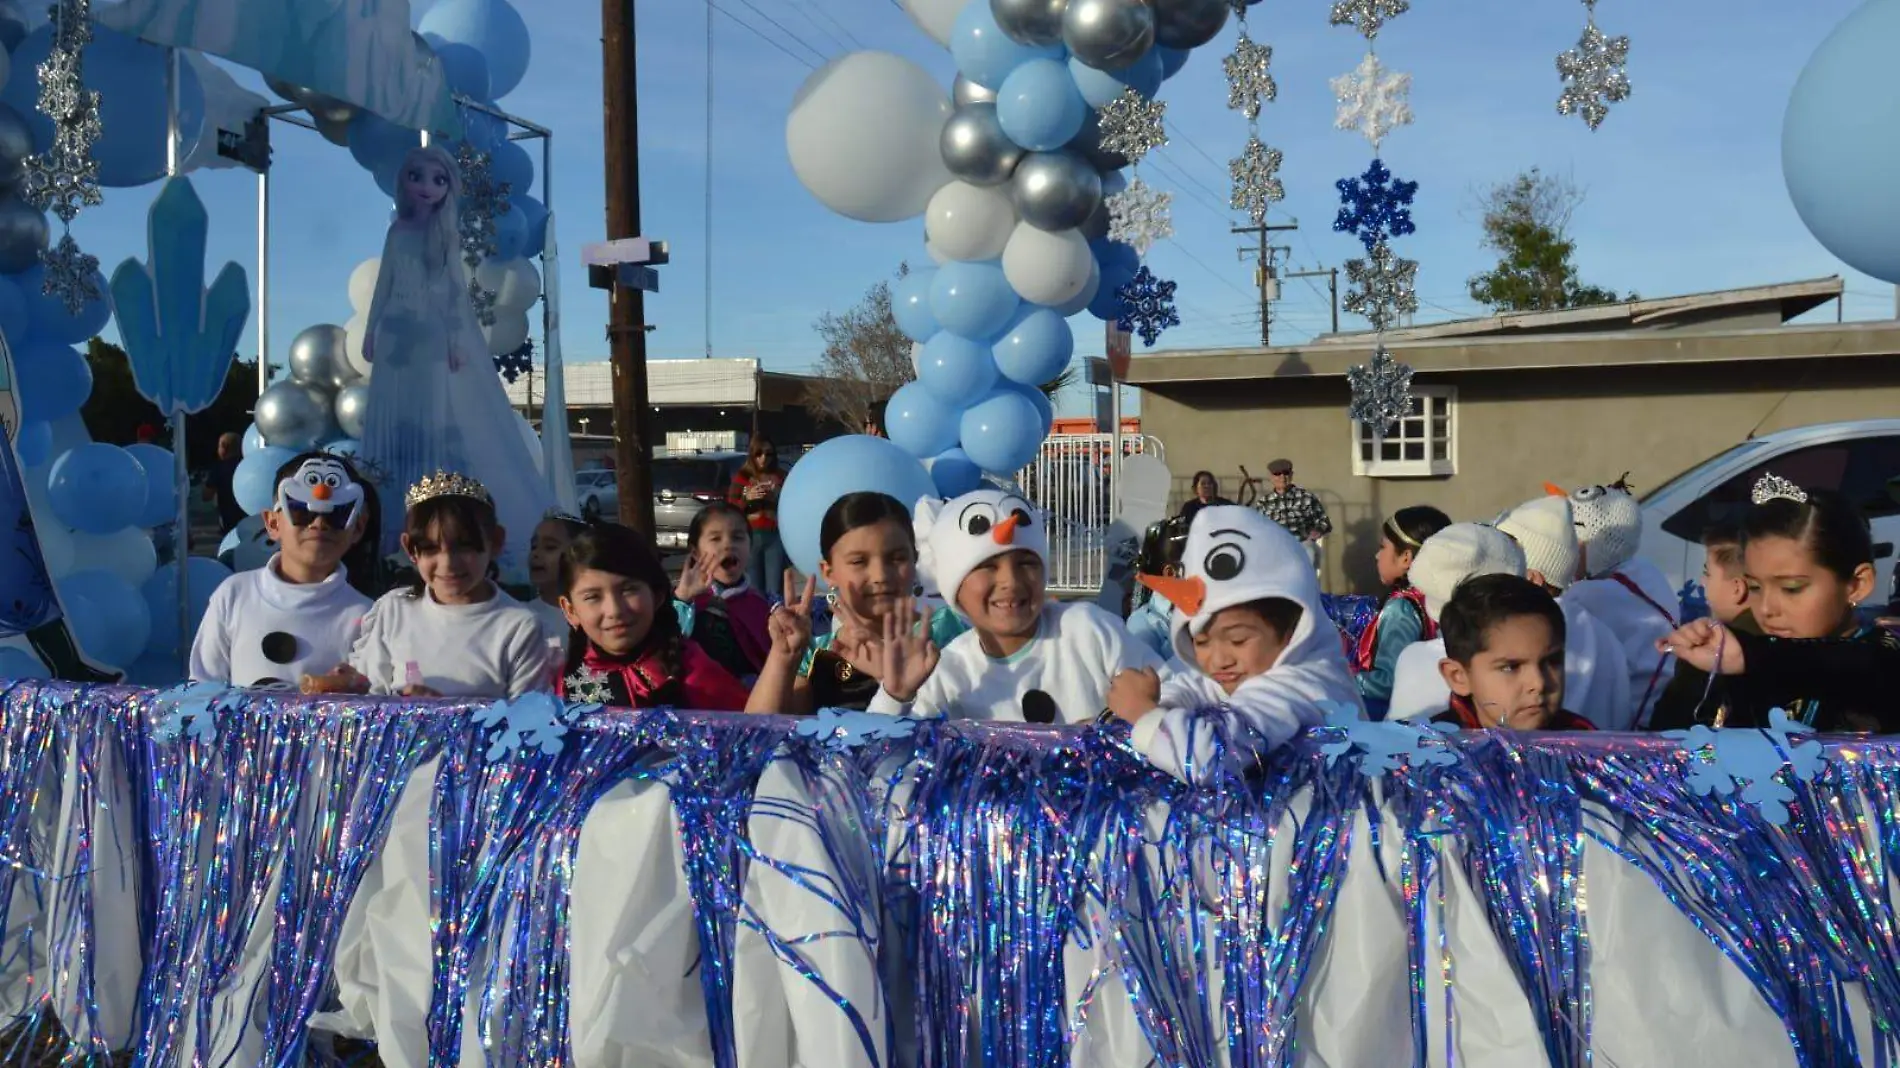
[1398, 626]
[944, 625]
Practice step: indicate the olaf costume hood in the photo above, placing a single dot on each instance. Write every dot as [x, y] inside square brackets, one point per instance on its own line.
[1609, 525]
[955, 537]
[1235, 556]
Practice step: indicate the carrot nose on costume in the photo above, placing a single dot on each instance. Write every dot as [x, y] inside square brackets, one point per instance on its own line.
[1005, 531]
[1554, 490]
[320, 492]
[1187, 594]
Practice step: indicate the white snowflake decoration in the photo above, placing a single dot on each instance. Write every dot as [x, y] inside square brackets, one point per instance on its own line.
[1368, 16]
[1594, 75]
[1382, 287]
[1256, 179]
[1131, 125]
[1373, 100]
[1140, 215]
[1249, 82]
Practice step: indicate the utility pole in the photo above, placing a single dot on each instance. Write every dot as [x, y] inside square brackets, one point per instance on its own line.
[1331, 274]
[626, 321]
[1263, 271]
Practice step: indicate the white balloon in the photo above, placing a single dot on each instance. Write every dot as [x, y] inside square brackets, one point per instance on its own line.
[916, 358]
[936, 17]
[969, 222]
[863, 136]
[363, 283]
[127, 553]
[507, 334]
[1045, 267]
[56, 548]
[1081, 300]
[353, 333]
[937, 255]
[515, 283]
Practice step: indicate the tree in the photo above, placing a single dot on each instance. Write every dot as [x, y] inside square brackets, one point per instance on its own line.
[115, 411]
[1527, 223]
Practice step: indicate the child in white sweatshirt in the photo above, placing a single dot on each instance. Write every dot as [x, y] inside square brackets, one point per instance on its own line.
[1255, 639]
[1627, 593]
[1024, 658]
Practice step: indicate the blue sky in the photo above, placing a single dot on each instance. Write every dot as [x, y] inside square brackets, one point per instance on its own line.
[1683, 180]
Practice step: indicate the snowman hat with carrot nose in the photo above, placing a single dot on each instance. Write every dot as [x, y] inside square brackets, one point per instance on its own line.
[1237, 556]
[955, 537]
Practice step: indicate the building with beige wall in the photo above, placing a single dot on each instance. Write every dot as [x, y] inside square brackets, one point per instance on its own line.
[1507, 403]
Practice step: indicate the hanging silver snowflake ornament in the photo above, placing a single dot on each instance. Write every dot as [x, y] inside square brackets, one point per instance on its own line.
[1140, 215]
[72, 276]
[1255, 174]
[1381, 287]
[1131, 125]
[1249, 81]
[65, 178]
[1368, 16]
[1372, 100]
[483, 199]
[1593, 74]
[1381, 391]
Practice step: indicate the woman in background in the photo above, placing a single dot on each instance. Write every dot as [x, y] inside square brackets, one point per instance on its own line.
[755, 491]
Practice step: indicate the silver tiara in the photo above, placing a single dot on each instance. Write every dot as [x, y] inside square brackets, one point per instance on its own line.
[1776, 488]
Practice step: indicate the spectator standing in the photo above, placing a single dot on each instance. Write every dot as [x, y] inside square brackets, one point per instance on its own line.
[1206, 492]
[1295, 508]
[230, 452]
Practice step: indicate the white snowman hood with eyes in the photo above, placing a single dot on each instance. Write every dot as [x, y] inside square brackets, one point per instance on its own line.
[321, 487]
[954, 537]
[1235, 556]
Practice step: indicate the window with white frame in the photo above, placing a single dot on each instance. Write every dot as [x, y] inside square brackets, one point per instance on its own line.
[1421, 445]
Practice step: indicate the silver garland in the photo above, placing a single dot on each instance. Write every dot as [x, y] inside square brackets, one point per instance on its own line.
[1381, 390]
[1255, 174]
[65, 179]
[483, 199]
[1368, 16]
[1593, 73]
[1131, 125]
[1373, 100]
[1382, 287]
[1249, 79]
[1140, 215]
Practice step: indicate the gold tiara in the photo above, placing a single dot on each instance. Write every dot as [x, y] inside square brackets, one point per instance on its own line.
[1776, 488]
[447, 484]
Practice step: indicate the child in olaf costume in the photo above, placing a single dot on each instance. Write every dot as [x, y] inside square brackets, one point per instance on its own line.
[1627, 593]
[1250, 634]
[1025, 657]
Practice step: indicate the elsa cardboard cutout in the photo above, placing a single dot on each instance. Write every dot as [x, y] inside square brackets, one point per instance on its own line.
[435, 401]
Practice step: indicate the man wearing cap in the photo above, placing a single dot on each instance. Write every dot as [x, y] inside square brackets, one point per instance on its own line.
[1294, 508]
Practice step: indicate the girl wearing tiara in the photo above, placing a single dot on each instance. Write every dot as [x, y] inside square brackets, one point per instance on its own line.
[1808, 560]
[435, 403]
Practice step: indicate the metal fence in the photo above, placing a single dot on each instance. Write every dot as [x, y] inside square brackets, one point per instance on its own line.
[1068, 482]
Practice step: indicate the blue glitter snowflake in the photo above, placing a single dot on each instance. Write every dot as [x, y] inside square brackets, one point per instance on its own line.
[190, 712]
[1751, 761]
[1147, 306]
[1385, 745]
[517, 363]
[843, 729]
[1376, 206]
[535, 721]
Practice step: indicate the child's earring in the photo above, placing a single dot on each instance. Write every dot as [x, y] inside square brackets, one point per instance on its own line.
[831, 597]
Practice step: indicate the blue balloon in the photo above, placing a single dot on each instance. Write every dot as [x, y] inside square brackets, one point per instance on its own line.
[1118, 261]
[1045, 411]
[1172, 60]
[955, 473]
[511, 237]
[344, 447]
[919, 423]
[378, 145]
[96, 488]
[161, 491]
[34, 442]
[1098, 87]
[108, 616]
[463, 67]
[535, 214]
[129, 76]
[254, 483]
[14, 316]
[972, 299]
[1002, 432]
[1039, 106]
[48, 318]
[1838, 154]
[203, 576]
[1035, 347]
[17, 664]
[984, 53]
[510, 163]
[957, 371]
[857, 463]
[910, 305]
[492, 28]
[54, 379]
[253, 439]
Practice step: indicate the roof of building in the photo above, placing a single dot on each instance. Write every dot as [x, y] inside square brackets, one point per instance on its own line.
[708, 383]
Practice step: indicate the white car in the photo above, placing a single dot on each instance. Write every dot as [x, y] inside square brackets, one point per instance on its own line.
[1857, 459]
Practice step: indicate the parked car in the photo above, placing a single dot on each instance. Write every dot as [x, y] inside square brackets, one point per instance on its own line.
[683, 485]
[597, 492]
[1858, 459]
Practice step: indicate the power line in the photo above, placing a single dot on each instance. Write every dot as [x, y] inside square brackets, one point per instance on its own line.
[786, 30]
[1230, 283]
[761, 35]
[813, 5]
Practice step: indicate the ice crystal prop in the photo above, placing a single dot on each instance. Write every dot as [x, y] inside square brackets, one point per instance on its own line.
[1381, 391]
[1131, 125]
[1147, 306]
[1249, 78]
[1140, 215]
[1381, 287]
[1373, 101]
[1375, 206]
[1256, 182]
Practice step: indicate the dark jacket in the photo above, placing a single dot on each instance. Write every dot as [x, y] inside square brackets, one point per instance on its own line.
[1846, 684]
[1462, 716]
[1688, 700]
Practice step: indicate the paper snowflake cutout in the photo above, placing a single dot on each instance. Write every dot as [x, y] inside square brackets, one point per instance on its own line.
[1131, 125]
[1752, 762]
[1255, 173]
[1147, 306]
[844, 729]
[1383, 745]
[1594, 75]
[1140, 215]
[72, 276]
[1372, 100]
[1249, 82]
[1382, 287]
[1375, 206]
[588, 686]
[1368, 16]
[190, 712]
[531, 722]
[1381, 391]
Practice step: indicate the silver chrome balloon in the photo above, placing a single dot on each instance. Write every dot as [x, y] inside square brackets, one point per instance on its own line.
[1055, 190]
[1096, 226]
[352, 407]
[964, 91]
[289, 416]
[1189, 23]
[1030, 22]
[1108, 34]
[16, 143]
[976, 149]
[23, 235]
[1089, 143]
[315, 354]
